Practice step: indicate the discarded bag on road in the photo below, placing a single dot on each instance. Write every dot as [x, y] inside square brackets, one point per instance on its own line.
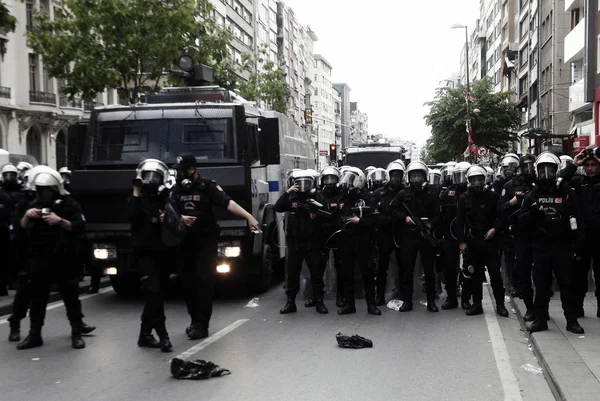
[196, 370]
[354, 341]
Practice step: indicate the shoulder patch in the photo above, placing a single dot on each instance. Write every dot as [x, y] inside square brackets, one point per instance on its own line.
[503, 192]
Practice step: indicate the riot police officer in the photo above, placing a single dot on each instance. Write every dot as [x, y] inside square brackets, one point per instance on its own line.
[478, 225]
[65, 173]
[424, 205]
[389, 232]
[518, 254]
[450, 255]
[302, 238]
[11, 186]
[553, 211]
[508, 168]
[328, 194]
[355, 241]
[435, 179]
[195, 199]
[52, 222]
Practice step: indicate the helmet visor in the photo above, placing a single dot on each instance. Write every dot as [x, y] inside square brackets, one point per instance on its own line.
[416, 177]
[378, 177]
[527, 168]
[460, 177]
[329, 179]
[565, 163]
[546, 171]
[10, 176]
[305, 184]
[434, 179]
[348, 179]
[66, 178]
[477, 180]
[151, 178]
[396, 176]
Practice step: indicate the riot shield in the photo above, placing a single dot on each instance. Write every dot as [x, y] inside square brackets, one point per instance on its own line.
[174, 230]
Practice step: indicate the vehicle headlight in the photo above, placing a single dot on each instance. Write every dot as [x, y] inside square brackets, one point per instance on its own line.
[223, 269]
[232, 251]
[110, 271]
[104, 251]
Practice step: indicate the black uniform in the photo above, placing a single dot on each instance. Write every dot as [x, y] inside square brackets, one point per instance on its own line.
[355, 243]
[588, 193]
[388, 238]
[517, 241]
[50, 262]
[451, 255]
[477, 213]
[498, 185]
[199, 248]
[553, 245]
[302, 239]
[151, 257]
[424, 204]
[7, 207]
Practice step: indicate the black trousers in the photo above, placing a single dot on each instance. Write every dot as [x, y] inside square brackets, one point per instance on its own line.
[21, 301]
[7, 266]
[300, 250]
[553, 257]
[524, 265]
[484, 254]
[337, 262]
[48, 269]
[450, 266]
[385, 246]
[153, 266]
[590, 257]
[199, 257]
[508, 249]
[356, 250]
[412, 245]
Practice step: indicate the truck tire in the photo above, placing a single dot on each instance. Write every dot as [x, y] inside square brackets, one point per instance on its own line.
[263, 281]
[126, 286]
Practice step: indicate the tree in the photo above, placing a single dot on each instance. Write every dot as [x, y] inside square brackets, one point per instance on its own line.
[494, 126]
[7, 21]
[266, 84]
[123, 44]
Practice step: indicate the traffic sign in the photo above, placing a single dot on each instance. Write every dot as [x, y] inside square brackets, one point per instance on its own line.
[482, 151]
[322, 153]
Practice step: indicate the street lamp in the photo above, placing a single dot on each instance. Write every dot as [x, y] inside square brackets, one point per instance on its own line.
[468, 96]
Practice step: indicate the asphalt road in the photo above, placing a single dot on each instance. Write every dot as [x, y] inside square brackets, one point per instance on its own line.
[416, 356]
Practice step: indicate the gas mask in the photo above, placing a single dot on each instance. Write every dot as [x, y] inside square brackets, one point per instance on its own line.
[10, 180]
[46, 195]
[396, 178]
[329, 183]
[528, 171]
[151, 182]
[416, 180]
[547, 174]
[477, 184]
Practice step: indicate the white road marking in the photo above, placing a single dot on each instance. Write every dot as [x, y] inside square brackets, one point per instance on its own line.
[510, 385]
[58, 304]
[208, 341]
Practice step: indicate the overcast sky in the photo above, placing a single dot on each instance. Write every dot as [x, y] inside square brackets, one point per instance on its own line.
[392, 53]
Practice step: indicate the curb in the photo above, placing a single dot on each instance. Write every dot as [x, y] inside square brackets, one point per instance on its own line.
[548, 374]
[55, 296]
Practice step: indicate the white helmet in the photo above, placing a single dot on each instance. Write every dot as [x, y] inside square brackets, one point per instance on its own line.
[459, 174]
[435, 176]
[369, 169]
[509, 164]
[305, 180]
[314, 173]
[565, 161]
[152, 171]
[24, 166]
[395, 172]
[490, 175]
[290, 176]
[546, 166]
[64, 170]
[329, 176]
[476, 177]
[343, 169]
[353, 178]
[447, 171]
[377, 178]
[48, 178]
[417, 173]
[8, 170]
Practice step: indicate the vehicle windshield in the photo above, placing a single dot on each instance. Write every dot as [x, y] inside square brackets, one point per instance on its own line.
[363, 160]
[129, 141]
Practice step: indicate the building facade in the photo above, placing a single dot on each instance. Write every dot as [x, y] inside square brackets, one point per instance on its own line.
[322, 101]
[344, 90]
[359, 122]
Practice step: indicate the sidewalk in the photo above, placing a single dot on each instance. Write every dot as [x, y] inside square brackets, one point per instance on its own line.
[571, 362]
[84, 286]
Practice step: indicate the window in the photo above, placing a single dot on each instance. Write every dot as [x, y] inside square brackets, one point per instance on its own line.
[523, 86]
[523, 28]
[574, 18]
[523, 57]
[598, 52]
[316, 92]
[61, 150]
[237, 57]
[29, 10]
[264, 14]
[33, 72]
[110, 96]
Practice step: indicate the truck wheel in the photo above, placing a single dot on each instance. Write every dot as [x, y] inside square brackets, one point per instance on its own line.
[265, 278]
[126, 285]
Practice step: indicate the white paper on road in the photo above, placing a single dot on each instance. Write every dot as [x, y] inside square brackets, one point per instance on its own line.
[531, 369]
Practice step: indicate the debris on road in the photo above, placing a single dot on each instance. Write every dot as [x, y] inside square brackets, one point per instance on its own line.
[394, 304]
[531, 369]
[354, 341]
[196, 370]
[253, 303]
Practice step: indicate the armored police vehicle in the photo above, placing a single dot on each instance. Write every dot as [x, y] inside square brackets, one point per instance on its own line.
[245, 150]
[373, 154]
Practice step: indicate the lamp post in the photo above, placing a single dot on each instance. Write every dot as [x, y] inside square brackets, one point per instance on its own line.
[460, 26]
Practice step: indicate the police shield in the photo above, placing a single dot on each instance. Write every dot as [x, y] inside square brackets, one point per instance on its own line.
[174, 230]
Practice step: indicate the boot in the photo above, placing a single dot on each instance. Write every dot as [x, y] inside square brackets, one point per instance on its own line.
[373, 310]
[290, 307]
[197, 332]
[347, 309]
[33, 339]
[321, 308]
[537, 325]
[146, 339]
[500, 308]
[407, 306]
[76, 340]
[379, 300]
[529, 315]
[163, 339]
[339, 301]
[189, 328]
[474, 310]
[311, 303]
[431, 306]
[85, 329]
[574, 327]
[465, 304]
[93, 290]
[15, 333]
[450, 304]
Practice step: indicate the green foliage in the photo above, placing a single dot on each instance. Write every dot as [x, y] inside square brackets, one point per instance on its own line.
[7, 21]
[494, 126]
[124, 44]
[265, 85]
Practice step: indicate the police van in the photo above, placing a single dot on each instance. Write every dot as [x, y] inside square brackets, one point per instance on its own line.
[373, 154]
[244, 149]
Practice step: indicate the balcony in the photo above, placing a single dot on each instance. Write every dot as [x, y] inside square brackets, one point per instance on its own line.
[571, 5]
[4, 92]
[575, 43]
[576, 95]
[42, 97]
[64, 101]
